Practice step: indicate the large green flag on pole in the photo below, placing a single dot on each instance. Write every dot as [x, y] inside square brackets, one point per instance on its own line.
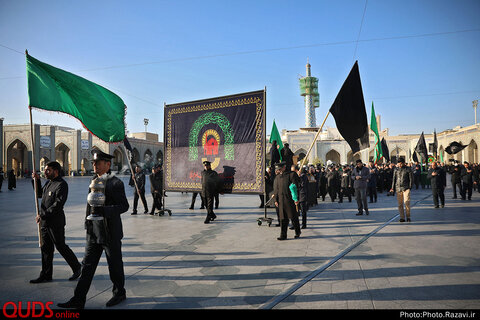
[377, 146]
[99, 110]
[275, 135]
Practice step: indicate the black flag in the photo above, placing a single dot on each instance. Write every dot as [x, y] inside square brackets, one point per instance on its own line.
[454, 147]
[385, 152]
[414, 156]
[421, 148]
[435, 144]
[348, 109]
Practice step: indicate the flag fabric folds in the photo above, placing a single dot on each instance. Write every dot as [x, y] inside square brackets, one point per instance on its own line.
[421, 148]
[348, 109]
[378, 152]
[99, 110]
[435, 144]
[454, 147]
[275, 136]
[385, 152]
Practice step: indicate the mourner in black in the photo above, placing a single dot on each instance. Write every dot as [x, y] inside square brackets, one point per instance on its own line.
[456, 180]
[287, 156]
[52, 222]
[285, 202]
[467, 181]
[139, 177]
[103, 235]
[302, 195]
[274, 154]
[156, 188]
[438, 181]
[210, 188]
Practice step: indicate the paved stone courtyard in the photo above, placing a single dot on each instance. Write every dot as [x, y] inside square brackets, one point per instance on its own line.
[341, 261]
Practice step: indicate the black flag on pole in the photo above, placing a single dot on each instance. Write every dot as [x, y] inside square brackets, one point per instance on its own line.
[421, 148]
[348, 109]
[435, 144]
[454, 147]
[385, 152]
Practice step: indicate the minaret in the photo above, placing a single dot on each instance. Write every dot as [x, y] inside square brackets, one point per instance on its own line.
[309, 90]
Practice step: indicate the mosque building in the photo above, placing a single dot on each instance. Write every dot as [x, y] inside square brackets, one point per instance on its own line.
[330, 146]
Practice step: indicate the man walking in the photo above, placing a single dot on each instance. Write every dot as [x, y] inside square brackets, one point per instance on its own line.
[456, 180]
[402, 184]
[360, 176]
[286, 200]
[467, 181]
[210, 186]
[438, 181]
[140, 181]
[103, 235]
[52, 222]
[156, 188]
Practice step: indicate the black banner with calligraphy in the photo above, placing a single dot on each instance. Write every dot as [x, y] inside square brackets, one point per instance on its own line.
[227, 131]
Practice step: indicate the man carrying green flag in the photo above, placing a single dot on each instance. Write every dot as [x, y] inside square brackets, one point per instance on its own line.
[277, 145]
[103, 114]
[378, 153]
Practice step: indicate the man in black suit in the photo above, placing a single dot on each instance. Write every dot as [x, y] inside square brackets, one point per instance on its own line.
[52, 222]
[103, 235]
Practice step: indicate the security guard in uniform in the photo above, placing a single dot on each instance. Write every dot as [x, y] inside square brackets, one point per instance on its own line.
[103, 235]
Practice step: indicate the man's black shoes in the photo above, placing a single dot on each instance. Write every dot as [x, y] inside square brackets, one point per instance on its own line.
[116, 300]
[41, 279]
[72, 304]
[76, 274]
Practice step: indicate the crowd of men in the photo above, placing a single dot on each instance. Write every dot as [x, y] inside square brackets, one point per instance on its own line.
[339, 182]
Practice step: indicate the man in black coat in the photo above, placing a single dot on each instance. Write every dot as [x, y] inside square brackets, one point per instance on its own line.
[139, 177]
[52, 222]
[287, 156]
[210, 188]
[438, 181]
[467, 181]
[103, 235]
[274, 155]
[156, 188]
[456, 179]
[285, 201]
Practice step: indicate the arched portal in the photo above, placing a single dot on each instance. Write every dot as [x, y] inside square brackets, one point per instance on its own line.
[17, 154]
[333, 156]
[62, 156]
[472, 152]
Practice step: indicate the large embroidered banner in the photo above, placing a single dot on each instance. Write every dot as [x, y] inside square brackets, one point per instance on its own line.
[227, 131]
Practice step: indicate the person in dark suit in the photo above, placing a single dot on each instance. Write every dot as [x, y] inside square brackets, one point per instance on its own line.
[274, 154]
[103, 235]
[438, 181]
[286, 200]
[52, 222]
[287, 156]
[467, 181]
[139, 177]
[210, 188]
[156, 188]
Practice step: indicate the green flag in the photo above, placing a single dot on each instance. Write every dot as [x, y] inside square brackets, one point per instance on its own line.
[99, 110]
[275, 135]
[377, 146]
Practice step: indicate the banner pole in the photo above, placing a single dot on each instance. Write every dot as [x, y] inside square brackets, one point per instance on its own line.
[314, 140]
[133, 175]
[40, 240]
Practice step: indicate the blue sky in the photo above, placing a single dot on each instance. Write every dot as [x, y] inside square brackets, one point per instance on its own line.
[419, 60]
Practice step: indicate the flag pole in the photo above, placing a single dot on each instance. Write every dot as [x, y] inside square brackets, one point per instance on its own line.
[40, 240]
[131, 170]
[314, 140]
